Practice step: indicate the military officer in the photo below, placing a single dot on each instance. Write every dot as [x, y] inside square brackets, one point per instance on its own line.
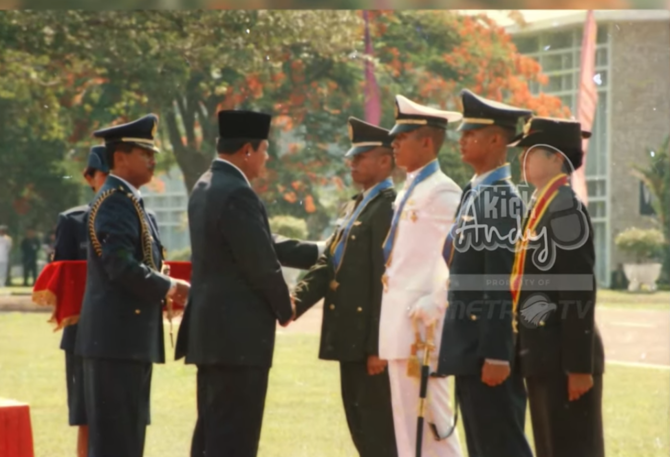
[238, 294]
[71, 244]
[121, 326]
[349, 277]
[560, 351]
[415, 276]
[477, 343]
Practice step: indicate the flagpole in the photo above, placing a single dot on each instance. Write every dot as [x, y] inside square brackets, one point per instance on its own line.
[587, 99]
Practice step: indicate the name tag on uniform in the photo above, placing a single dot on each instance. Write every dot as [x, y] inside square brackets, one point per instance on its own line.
[357, 223]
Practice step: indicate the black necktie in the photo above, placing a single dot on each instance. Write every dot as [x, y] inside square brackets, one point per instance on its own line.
[358, 200]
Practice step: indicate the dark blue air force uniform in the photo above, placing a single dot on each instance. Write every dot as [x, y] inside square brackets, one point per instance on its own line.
[71, 244]
[478, 324]
[120, 331]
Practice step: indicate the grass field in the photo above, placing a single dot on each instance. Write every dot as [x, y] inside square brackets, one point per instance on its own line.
[304, 416]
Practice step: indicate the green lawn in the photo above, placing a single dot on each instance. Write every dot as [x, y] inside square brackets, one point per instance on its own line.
[303, 417]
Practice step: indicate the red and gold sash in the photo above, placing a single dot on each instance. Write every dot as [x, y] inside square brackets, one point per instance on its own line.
[545, 196]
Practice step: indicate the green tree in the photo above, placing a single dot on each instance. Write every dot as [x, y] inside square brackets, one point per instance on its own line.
[305, 67]
[656, 176]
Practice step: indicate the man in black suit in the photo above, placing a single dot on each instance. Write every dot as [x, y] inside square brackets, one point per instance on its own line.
[477, 344]
[71, 244]
[238, 292]
[349, 277]
[120, 331]
[560, 351]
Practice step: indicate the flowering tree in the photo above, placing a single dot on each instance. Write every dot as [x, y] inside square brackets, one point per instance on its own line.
[304, 67]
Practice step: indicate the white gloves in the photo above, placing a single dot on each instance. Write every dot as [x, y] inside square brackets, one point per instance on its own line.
[428, 310]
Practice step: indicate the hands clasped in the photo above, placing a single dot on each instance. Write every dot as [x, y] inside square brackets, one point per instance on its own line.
[179, 293]
[293, 316]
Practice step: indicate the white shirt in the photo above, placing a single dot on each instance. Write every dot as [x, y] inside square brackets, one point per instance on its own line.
[136, 192]
[219, 159]
[412, 176]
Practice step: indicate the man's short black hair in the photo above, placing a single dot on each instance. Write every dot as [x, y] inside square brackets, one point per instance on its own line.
[112, 148]
[231, 146]
[436, 134]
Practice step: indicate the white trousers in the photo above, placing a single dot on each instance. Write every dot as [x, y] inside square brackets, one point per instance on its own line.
[405, 400]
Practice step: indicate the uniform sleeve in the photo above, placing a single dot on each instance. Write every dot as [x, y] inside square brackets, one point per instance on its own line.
[578, 319]
[118, 230]
[295, 253]
[495, 322]
[314, 286]
[381, 224]
[244, 226]
[66, 247]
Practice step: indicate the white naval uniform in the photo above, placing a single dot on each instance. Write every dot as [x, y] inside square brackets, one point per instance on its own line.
[418, 273]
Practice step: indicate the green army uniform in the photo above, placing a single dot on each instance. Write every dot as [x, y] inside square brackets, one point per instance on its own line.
[352, 296]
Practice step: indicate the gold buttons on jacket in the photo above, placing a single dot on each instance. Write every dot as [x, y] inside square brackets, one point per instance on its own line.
[332, 306]
[473, 317]
[353, 237]
[137, 311]
[359, 309]
[541, 323]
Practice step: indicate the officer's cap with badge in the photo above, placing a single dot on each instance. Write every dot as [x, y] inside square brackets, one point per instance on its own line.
[479, 112]
[140, 133]
[563, 134]
[365, 137]
[96, 161]
[410, 116]
[244, 125]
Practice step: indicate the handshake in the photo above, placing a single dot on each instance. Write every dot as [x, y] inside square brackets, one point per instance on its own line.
[286, 324]
[178, 292]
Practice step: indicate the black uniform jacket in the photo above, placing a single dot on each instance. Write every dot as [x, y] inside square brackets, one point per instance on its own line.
[556, 310]
[121, 314]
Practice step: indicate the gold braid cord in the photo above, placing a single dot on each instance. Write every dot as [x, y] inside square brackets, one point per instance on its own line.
[147, 239]
[147, 258]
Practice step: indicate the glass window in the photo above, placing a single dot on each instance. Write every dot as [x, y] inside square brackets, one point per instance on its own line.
[557, 40]
[596, 187]
[596, 209]
[527, 44]
[600, 245]
[177, 201]
[176, 216]
[551, 62]
[567, 60]
[602, 36]
[601, 57]
[567, 82]
[600, 78]
[568, 101]
[555, 84]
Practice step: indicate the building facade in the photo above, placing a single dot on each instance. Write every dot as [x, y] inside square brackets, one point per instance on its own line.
[633, 111]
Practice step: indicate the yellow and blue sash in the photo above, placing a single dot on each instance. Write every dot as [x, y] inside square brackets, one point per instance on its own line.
[427, 171]
[343, 234]
[498, 174]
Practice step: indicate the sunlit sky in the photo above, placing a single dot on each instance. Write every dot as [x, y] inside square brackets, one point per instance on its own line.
[502, 16]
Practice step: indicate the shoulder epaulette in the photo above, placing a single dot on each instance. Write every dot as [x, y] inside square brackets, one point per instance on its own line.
[145, 232]
[75, 210]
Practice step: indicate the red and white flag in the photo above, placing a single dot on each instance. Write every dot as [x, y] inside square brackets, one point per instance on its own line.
[373, 111]
[587, 98]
